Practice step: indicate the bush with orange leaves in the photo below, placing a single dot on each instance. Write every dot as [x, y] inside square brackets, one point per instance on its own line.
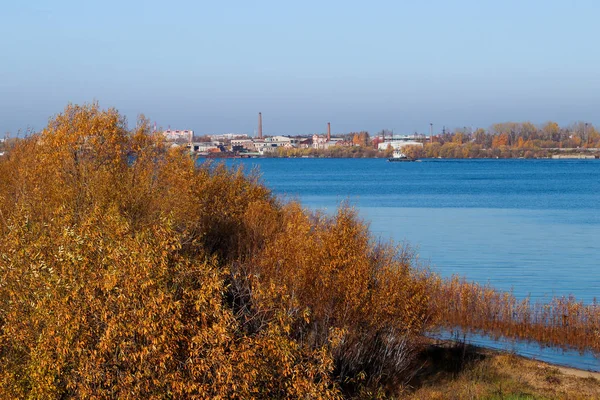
[126, 271]
[113, 280]
[341, 282]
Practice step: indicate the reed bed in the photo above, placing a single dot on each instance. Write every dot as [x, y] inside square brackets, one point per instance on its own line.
[562, 322]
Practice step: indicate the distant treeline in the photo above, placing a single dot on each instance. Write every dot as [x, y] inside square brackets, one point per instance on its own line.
[511, 140]
[503, 140]
[338, 151]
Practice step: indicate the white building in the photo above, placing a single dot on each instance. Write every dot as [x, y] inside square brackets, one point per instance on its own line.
[264, 146]
[179, 136]
[397, 144]
[267, 148]
[203, 147]
[285, 141]
[229, 136]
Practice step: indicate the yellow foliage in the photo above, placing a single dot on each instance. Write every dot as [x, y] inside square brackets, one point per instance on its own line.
[114, 273]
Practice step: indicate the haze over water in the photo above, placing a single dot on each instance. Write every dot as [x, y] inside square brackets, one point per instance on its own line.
[531, 226]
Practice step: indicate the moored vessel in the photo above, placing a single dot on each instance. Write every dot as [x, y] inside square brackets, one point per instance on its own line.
[397, 155]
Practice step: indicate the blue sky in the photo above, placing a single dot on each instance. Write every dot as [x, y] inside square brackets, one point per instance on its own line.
[212, 66]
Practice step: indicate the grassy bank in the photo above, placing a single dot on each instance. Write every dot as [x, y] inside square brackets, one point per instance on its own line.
[456, 371]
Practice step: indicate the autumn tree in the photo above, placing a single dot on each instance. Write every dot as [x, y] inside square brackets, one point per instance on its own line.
[551, 131]
[361, 139]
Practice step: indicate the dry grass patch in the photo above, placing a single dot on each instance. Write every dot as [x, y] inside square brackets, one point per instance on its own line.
[467, 372]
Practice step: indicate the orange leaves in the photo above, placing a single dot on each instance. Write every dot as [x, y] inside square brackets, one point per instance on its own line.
[114, 266]
[347, 292]
[500, 140]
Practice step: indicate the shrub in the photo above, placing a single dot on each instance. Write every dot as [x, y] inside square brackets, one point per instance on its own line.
[114, 273]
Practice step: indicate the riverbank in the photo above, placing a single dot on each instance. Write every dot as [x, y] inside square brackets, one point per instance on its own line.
[446, 150]
[457, 371]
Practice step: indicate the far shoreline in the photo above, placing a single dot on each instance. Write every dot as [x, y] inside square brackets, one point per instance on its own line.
[562, 158]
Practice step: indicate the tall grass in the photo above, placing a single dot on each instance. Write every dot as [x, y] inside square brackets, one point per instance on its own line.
[562, 322]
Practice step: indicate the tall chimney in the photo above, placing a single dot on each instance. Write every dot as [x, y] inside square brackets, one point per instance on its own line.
[329, 131]
[260, 125]
[431, 132]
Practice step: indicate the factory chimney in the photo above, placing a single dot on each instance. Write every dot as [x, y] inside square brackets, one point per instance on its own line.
[260, 126]
[431, 132]
[329, 131]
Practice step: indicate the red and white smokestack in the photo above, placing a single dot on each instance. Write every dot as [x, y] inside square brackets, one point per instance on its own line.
[260, 126]
[329, 131]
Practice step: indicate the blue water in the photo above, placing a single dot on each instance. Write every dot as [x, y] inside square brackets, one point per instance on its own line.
[530, 226]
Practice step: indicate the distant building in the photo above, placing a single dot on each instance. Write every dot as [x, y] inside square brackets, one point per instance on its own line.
[398, 144]
[263, 146]
[179, 136]
[417, 137]
[305, 143]
[259, 144]
[320, 142]
[246, 144]
[268, 148]
[205, 147]
[284, 141]
[229, 136]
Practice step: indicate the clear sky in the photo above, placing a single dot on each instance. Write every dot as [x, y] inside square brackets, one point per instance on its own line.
[211, 66]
